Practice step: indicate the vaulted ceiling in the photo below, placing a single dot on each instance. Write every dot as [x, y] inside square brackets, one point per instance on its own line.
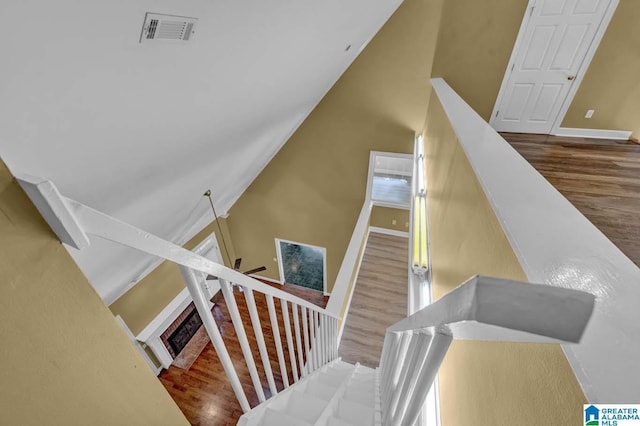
[140, 131]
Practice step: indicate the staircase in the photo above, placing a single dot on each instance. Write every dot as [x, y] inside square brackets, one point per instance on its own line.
[324, 390]
[483, 308]
[338, 394]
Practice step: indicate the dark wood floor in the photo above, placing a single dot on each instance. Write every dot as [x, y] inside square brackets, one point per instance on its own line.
[600, 177]
[203, 392]
[379, 299]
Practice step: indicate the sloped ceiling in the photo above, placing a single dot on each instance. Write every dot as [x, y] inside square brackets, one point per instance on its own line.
[140, 131]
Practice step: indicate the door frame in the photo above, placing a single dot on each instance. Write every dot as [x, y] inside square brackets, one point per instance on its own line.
[206, 247]
[582, 70]
[370, 173]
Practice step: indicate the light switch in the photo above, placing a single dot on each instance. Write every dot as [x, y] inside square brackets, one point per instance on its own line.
[589, 113]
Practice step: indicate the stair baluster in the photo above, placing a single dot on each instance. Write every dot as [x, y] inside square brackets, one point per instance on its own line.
[236, 319]
[202, 307]
[262, 347]
[88, 223]
[313, 341]
[296, 326]
[412, 399]
[287, 332]
[306, 331]
[278, 341]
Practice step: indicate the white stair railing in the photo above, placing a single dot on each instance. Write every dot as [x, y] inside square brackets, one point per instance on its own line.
[75, 224]
[483, 308]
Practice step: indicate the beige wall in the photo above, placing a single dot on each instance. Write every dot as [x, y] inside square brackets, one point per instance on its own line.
[65, 360]
[153, 293]
[383, 217]
[313, 190]
[611, 86]
[475, 43]
[485, 383]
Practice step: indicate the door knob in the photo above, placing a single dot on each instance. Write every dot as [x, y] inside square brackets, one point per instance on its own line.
[571, 77]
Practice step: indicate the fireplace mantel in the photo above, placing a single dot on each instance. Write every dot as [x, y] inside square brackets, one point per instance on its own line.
[150, 335]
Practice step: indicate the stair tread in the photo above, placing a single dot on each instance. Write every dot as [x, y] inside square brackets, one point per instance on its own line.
[334, 421]
[277, 418]
[305, 406]
[361, 397]
[330, 396]
[321, 390]
[354, 412]
[331, 380]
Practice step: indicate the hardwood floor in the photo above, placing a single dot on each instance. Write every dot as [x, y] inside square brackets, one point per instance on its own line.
[203, 392]
[600, 177]
[379, 299]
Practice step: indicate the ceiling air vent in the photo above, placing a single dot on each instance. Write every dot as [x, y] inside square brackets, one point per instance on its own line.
[159, 27]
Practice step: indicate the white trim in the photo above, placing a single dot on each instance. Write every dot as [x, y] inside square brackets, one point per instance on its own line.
[557, 245]
[582, 70]
[493, 309]
[584, 66]
[205, 249]
[55, 210]
[101, 225]
[512, 59]
[193, 230]
[372, 166]
[132, 338]
[393, 172]
[387, 231]
[324, 261]
[150, 335]
[622, 135]
[370, 171]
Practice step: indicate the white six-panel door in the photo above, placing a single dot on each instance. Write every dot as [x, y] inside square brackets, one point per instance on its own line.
[549, 53]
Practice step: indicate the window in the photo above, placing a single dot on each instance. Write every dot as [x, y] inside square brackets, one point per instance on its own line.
[302, 264]
[390, 179]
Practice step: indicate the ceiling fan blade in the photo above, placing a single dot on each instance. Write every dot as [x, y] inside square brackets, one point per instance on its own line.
[211, 277]
[253, 271]
[236, 266]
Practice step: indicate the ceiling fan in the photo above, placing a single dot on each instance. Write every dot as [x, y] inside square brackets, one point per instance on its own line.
[236, 265]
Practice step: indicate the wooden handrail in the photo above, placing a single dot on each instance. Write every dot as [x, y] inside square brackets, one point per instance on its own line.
[481, 305]
[107, 227]
[555, 244]
[482, 308]
[73, 223]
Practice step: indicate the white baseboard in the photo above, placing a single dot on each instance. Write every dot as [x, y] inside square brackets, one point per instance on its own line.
[386, 231]
[593, 133]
